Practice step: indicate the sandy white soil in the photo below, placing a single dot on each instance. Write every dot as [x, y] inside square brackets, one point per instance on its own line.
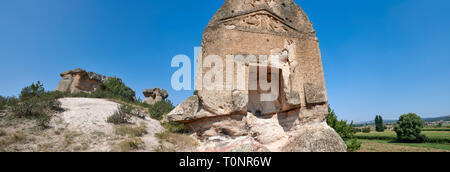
[81, 126]
[88, 116]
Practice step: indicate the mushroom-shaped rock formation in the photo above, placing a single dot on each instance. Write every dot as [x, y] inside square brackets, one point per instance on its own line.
[154, 95]
[79, 80]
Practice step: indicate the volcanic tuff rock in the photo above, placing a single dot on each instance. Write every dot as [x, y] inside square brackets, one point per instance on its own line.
[238, 120]
[79, 80]
[154, 95]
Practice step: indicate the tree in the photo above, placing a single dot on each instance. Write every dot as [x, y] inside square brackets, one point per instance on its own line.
[160, 108]
[409, 128]
[116, 89]
[379, 126]
[34, 90]
[345, 131]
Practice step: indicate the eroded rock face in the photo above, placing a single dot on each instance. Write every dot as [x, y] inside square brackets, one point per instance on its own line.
[79, 80]
[226, 119]
[154, 95]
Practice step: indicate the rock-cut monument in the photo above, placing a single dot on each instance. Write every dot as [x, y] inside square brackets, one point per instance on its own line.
[236, 118]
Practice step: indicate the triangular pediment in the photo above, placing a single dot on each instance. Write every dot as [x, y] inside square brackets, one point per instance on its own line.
[261, 20]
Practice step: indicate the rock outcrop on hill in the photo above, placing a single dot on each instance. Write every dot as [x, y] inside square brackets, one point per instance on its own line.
[239, 119]
[154, 95]
[79, 80]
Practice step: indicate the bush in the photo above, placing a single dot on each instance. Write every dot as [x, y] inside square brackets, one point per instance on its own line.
[116, 89]
[43, 120]
[357, 130]
[353, 145]
[175, 127]
[409, 128]
[160, 108]
[121, 116]
[36, 103]
[344, 130]
[375, 137]
[2, 103]
[6, 102]
[341, 127]
[34, 90]
[366, 130]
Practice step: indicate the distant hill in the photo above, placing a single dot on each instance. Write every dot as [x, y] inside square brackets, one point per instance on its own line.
[442, 118]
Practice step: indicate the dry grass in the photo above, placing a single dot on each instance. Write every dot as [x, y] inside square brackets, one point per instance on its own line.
[174, 142]
[11, 140]
[131, 144]
[128, 130]
[69, 138]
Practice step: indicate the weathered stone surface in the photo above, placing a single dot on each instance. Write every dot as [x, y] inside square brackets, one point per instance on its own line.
[79, 80]
[186, 111]
[154, 95]
[318, 137]
[235, 113]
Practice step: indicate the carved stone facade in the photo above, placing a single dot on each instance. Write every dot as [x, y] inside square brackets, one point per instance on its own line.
[235, 119]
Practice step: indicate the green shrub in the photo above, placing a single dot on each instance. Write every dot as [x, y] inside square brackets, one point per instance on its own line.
[366, 130]
[34, 90]
[357, 130]
[2, 103]
[340, 126]
[35, 102]
[43, 120]
[160, 108]
[437, 140]
[175, 127]
[99, 94]
[375, 137]
[6, 102]
[115, 88]
[121, 116]
[409, 128]
[353, 145]
[344, 130]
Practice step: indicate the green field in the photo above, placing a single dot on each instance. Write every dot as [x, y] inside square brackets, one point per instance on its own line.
[437, 140]
[436, 129]
[392, 146]
[432, 136]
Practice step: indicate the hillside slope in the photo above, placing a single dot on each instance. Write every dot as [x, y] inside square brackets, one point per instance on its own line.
[81, 126]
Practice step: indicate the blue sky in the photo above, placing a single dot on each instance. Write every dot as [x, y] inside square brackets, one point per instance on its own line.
[383, 57]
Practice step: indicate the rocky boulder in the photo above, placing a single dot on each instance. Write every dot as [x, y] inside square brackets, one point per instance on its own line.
[154, 95]
[79, 80]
